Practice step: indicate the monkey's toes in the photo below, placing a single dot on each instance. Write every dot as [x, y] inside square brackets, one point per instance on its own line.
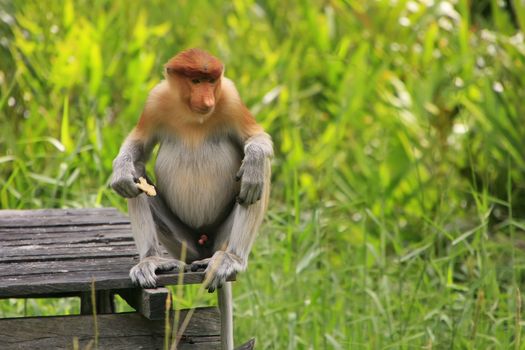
[199, 264]
[222, 266]
[170, 264]
[143, 276]
[216, 281]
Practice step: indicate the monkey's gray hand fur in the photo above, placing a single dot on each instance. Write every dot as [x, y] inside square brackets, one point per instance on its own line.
[143, 274]
[220, 266]
[251, 175]
[123, 178]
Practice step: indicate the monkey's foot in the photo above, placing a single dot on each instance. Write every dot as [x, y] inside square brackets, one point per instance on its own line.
[199, 264]
[144, 275]
[221, 266]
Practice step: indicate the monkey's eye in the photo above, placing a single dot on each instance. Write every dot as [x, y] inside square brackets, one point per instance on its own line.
[212, 80]
[195, 81]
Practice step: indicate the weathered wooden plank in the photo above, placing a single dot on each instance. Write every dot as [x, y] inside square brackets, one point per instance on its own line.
[70, 256]
[151, 303]
[20, 269]
[59, 239]
[54, 229]
[46, 242]
[61, 217]
[71, 239]
[65, 221]
[79, 245]
[36, 213]
[65, 232]
[25, 286]
[58, 250]
[79, 242]
[115, 332]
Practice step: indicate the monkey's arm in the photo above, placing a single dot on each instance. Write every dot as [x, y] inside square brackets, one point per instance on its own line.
[128, 166]
[247, 215]
[253, 198]
[130, 163]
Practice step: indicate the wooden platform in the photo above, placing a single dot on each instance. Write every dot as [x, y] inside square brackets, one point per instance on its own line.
[63, 250]
[57, 253]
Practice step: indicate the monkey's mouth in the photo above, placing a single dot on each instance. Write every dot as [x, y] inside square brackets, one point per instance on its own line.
[203, 111]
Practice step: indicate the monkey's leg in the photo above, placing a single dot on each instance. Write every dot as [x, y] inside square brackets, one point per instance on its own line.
[175, 236]
[236, 236]
[147, 215]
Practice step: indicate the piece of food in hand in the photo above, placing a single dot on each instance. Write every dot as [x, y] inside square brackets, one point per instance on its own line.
[145, 187]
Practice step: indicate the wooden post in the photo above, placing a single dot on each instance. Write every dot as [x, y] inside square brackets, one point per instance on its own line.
[224, 296]
[151, 303]
[104, 302]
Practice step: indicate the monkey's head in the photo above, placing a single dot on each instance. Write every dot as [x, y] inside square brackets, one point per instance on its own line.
[197, 76]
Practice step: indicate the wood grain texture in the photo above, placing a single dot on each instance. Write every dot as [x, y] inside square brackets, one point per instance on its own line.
[116, 331]
[53, 251]
[61, 217]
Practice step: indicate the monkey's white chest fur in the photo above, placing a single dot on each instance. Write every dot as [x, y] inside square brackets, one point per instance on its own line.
[198, 182]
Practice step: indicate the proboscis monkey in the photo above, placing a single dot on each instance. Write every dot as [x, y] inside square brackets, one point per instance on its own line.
[212, 173]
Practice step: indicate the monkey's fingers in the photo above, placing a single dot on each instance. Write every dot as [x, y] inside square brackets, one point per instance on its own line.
[243, 194]
[239, 174]
[254, 194]
[126, 188]
[250, 192]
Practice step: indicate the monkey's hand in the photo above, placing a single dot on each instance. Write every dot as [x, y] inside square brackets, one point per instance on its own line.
[123, 178]
[251, 175]
[143, 274]
[221, 266]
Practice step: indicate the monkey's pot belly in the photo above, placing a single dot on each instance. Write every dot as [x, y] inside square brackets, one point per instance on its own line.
[198, 182]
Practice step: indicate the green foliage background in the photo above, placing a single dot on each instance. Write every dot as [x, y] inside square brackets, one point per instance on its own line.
[398, 202]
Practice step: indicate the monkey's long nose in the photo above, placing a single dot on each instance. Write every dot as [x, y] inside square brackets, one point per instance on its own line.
[208, 102]
[205, 106]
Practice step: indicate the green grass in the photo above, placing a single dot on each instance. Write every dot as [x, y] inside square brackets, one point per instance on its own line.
[398, 205]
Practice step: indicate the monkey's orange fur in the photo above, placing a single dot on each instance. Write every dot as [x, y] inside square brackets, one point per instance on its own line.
[167, 110]
[195, 63]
